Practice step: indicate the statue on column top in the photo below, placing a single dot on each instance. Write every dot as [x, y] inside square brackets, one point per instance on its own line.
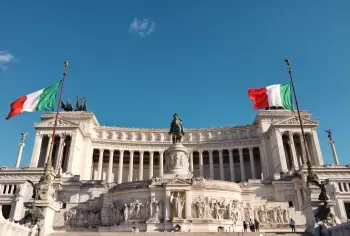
[329, 132]
[24, 135]
[176, 129]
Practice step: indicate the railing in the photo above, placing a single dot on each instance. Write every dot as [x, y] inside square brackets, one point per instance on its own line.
[10, 228]
[8, 189]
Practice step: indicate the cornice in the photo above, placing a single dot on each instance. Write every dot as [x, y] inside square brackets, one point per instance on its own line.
[164, 146]
[279, 114]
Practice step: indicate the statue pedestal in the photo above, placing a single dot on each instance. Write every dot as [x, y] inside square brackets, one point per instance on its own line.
[177, 162]
[316, 212]
[48, 206]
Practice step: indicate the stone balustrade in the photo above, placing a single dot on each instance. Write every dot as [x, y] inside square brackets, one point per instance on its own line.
[161, 135]
[10, 228]
[8, 189]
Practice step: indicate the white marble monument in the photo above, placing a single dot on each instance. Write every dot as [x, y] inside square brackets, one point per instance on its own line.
[112, 179]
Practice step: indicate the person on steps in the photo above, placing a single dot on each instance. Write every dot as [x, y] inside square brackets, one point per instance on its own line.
[245, 226]
[292, 224]
[256, 225]
[251, 225]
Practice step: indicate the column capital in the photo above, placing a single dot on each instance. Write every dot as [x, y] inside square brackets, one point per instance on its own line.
[240, 149]
[111, 151]
[49, 135]
[131, 152]
[63, 135]
[38, 133]
[230, 150]
[151, 152]
[250, 148]
[200, 152]
[121, 151]
[220, 151]
[161, 152]
[210, 151]
[141, 152]
[101, 150]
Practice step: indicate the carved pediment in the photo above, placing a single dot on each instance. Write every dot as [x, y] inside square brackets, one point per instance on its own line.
[60, 123]
[295, 121]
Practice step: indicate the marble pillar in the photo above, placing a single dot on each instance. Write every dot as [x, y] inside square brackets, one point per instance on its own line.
[211, 164]
[110, 166]
[161, 163]
[100, 165]
[131, 166]
[334, 152]
[232, 167]
[221, 163]
[19, 155]
[150, 174]
[36, 149]
[200, 163]
[120, 169]
[252, 164]
[191, 161]
[141, 166]
[241, 162]
[293, 152]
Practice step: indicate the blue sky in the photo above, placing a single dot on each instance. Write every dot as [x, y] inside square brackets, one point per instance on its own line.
[197, 58]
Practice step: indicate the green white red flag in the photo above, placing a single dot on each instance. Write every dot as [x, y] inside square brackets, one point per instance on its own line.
[277, 95]
[41, 100]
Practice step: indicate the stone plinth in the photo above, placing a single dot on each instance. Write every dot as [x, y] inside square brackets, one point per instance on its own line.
[177, 161]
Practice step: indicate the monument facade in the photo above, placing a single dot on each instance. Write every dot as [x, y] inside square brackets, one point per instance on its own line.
[122, 179]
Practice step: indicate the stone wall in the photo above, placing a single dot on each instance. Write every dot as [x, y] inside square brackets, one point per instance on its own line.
[339, 230]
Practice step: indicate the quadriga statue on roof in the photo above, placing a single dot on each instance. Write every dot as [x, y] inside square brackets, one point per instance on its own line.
[176, 129]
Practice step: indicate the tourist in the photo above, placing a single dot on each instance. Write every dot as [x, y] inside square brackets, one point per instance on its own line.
[245, 226]
[292, 224]
[251, 225]
[256, 225]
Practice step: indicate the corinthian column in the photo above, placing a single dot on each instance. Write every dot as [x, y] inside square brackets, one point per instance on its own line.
[191, 161]
[161, 163]
[232, 170]
[36, 150]
[150, 175]
[211, 164]
[120, 167]
[131, 166]
[222, 177]
[200, 163]
[19, 156]
[252, 164]
[141, 166]
[294, 153]
[100, 163]
[110, 166]
[241, 162]
[48, 147]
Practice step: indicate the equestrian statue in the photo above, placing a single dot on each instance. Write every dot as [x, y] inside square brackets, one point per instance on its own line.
[176, 129]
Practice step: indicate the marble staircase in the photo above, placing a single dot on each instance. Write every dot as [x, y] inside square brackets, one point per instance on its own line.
[180, 234]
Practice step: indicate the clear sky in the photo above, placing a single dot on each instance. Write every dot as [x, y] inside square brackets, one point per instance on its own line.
[138, 62]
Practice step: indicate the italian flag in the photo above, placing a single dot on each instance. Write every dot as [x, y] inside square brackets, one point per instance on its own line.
[277, 95]
[42, 100]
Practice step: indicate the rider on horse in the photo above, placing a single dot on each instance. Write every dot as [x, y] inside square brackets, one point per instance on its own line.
[176, 129]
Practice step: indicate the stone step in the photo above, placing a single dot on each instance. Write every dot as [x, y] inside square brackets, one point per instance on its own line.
[179, 234]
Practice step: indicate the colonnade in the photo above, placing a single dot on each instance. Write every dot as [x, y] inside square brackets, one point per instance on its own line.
[295, 152]
[61, 154]
[117, 165]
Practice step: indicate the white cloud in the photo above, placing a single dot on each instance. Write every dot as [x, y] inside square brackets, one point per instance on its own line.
[142, 28]
[5, 59]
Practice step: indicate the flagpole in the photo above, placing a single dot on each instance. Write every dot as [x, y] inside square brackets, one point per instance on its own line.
[46, 178]
[308, 163]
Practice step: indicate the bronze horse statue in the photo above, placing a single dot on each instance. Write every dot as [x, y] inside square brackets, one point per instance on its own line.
[176, 129]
